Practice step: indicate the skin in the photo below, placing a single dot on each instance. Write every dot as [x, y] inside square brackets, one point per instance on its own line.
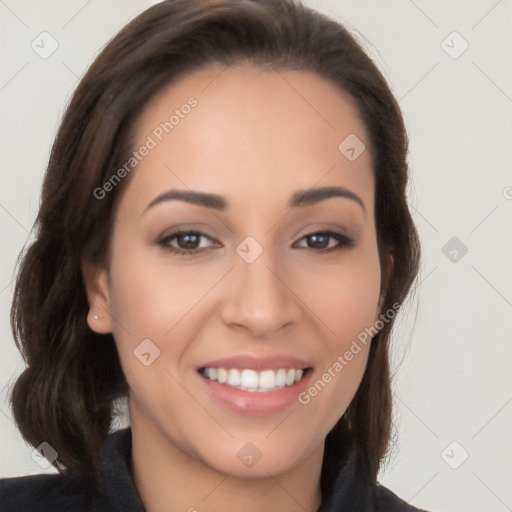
[255, 137]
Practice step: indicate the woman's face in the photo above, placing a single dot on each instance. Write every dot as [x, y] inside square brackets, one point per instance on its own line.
[247, 292]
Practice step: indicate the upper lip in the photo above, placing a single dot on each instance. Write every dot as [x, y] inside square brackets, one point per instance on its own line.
[257, 363]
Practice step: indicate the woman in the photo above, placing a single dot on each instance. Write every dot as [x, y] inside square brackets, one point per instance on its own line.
[224, 240]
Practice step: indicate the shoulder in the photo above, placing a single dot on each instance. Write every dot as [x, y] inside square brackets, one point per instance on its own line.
[45, 493]
[349, 485]
[58, 492]
[388, 501]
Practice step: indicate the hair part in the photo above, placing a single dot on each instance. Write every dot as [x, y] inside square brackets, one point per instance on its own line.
[73, 375]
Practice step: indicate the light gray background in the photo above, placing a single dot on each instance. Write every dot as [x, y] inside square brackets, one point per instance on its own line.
[453, 381]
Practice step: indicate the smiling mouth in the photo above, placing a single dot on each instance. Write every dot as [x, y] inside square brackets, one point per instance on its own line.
[254, 381]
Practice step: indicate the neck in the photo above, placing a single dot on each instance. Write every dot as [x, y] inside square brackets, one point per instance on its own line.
[170, 479]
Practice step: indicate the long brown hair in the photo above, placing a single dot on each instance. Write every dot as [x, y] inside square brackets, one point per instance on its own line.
[73, 375]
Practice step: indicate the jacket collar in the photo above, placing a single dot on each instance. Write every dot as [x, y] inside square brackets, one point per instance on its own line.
[346, 488]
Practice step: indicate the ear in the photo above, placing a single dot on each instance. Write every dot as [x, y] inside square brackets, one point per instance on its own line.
[97, 288]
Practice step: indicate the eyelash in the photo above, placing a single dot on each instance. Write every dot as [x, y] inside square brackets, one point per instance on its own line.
[343, 242]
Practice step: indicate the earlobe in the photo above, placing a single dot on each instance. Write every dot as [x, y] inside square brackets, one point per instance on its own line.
[98, 322]
[96, 284]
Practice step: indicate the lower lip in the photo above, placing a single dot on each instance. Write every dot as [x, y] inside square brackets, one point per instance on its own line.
[256, 403]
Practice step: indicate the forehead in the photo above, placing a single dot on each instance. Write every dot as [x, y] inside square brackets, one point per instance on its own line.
[251, 132]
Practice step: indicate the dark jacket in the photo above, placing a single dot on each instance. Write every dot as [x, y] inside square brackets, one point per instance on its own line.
[348, 491]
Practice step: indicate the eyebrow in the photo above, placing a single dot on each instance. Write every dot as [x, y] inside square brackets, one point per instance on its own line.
[299, 199]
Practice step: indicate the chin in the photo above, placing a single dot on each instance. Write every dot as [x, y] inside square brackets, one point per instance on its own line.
[257, 458]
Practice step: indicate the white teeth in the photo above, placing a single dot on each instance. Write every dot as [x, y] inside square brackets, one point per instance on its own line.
[234, 377]
[268, 379]
[280, 378]
[222, 375]
[251, 380]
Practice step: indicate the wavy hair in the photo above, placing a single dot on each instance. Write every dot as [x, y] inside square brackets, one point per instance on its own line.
[73, 376]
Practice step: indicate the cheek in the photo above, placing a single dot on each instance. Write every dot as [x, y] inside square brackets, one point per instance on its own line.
[347, 303]
[151, 301]
[149, 297]
[345, 297]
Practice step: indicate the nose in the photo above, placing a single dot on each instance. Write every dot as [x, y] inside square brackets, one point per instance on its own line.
[259, 299]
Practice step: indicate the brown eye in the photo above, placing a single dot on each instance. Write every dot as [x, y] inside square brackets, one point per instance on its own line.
[184, 242]
[327, 241]
[189, 241]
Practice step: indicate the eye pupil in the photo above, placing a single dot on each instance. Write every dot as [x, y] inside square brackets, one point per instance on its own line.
[319, 240]
[190, 241]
